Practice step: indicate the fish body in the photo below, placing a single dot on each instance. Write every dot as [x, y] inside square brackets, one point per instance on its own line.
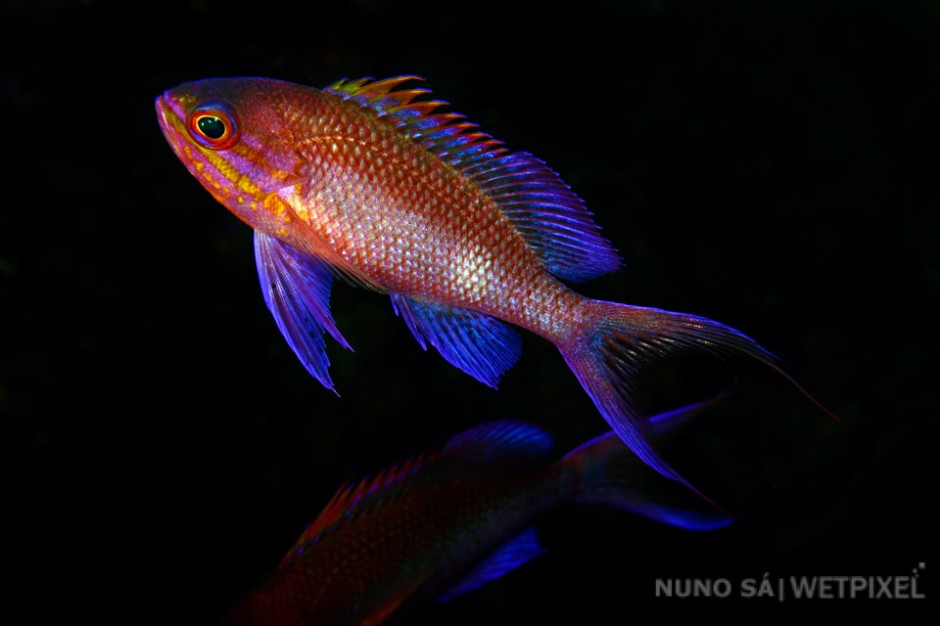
[332, 177]
[446, 522]
[367, 181]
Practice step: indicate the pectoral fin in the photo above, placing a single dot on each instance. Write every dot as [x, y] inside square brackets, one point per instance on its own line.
[296, 288]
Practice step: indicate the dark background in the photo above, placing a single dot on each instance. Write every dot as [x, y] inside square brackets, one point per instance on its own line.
[772, 165]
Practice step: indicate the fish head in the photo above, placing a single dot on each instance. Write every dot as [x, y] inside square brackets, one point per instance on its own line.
[239, 138]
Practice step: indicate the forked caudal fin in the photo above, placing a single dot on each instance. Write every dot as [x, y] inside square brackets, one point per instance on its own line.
[611, 474]
[621, 338]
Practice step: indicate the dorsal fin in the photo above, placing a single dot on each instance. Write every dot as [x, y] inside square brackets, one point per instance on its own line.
[490, 449]
[551, 217]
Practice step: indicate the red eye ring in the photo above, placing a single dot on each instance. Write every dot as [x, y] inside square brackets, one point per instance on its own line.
[213, 125]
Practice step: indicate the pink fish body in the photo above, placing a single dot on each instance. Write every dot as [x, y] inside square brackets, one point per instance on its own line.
[446, 522]
[367, 181]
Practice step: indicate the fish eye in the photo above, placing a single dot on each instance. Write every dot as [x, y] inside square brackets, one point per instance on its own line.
[213, 125]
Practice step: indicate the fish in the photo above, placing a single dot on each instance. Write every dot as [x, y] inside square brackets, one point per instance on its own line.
[444, 523]
[369, 181]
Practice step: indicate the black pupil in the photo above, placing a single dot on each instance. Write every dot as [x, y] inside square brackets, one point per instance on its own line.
[211, 126]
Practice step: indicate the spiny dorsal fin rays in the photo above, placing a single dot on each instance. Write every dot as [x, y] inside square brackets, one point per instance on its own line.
[355, 499]
[551, 217]
[379, 95]
[368, 86]
[495, 448]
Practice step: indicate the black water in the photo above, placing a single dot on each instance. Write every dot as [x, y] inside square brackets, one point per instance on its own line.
[770, 165]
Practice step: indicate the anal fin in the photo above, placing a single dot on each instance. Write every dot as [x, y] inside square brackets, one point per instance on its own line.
[515, 552]
[476, 343]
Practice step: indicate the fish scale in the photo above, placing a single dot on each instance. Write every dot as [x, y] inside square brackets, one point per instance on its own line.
[367, 181]
[361, 219]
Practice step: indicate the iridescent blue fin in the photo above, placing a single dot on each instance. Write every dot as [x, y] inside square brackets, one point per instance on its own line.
[611, 474]
[478, 344]
[662, 424]
[515, 552]
[296, 289]
[503, 447]
[621, 339]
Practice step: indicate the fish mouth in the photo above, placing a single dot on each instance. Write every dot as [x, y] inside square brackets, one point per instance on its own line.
[170, 116]
[161, 106]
